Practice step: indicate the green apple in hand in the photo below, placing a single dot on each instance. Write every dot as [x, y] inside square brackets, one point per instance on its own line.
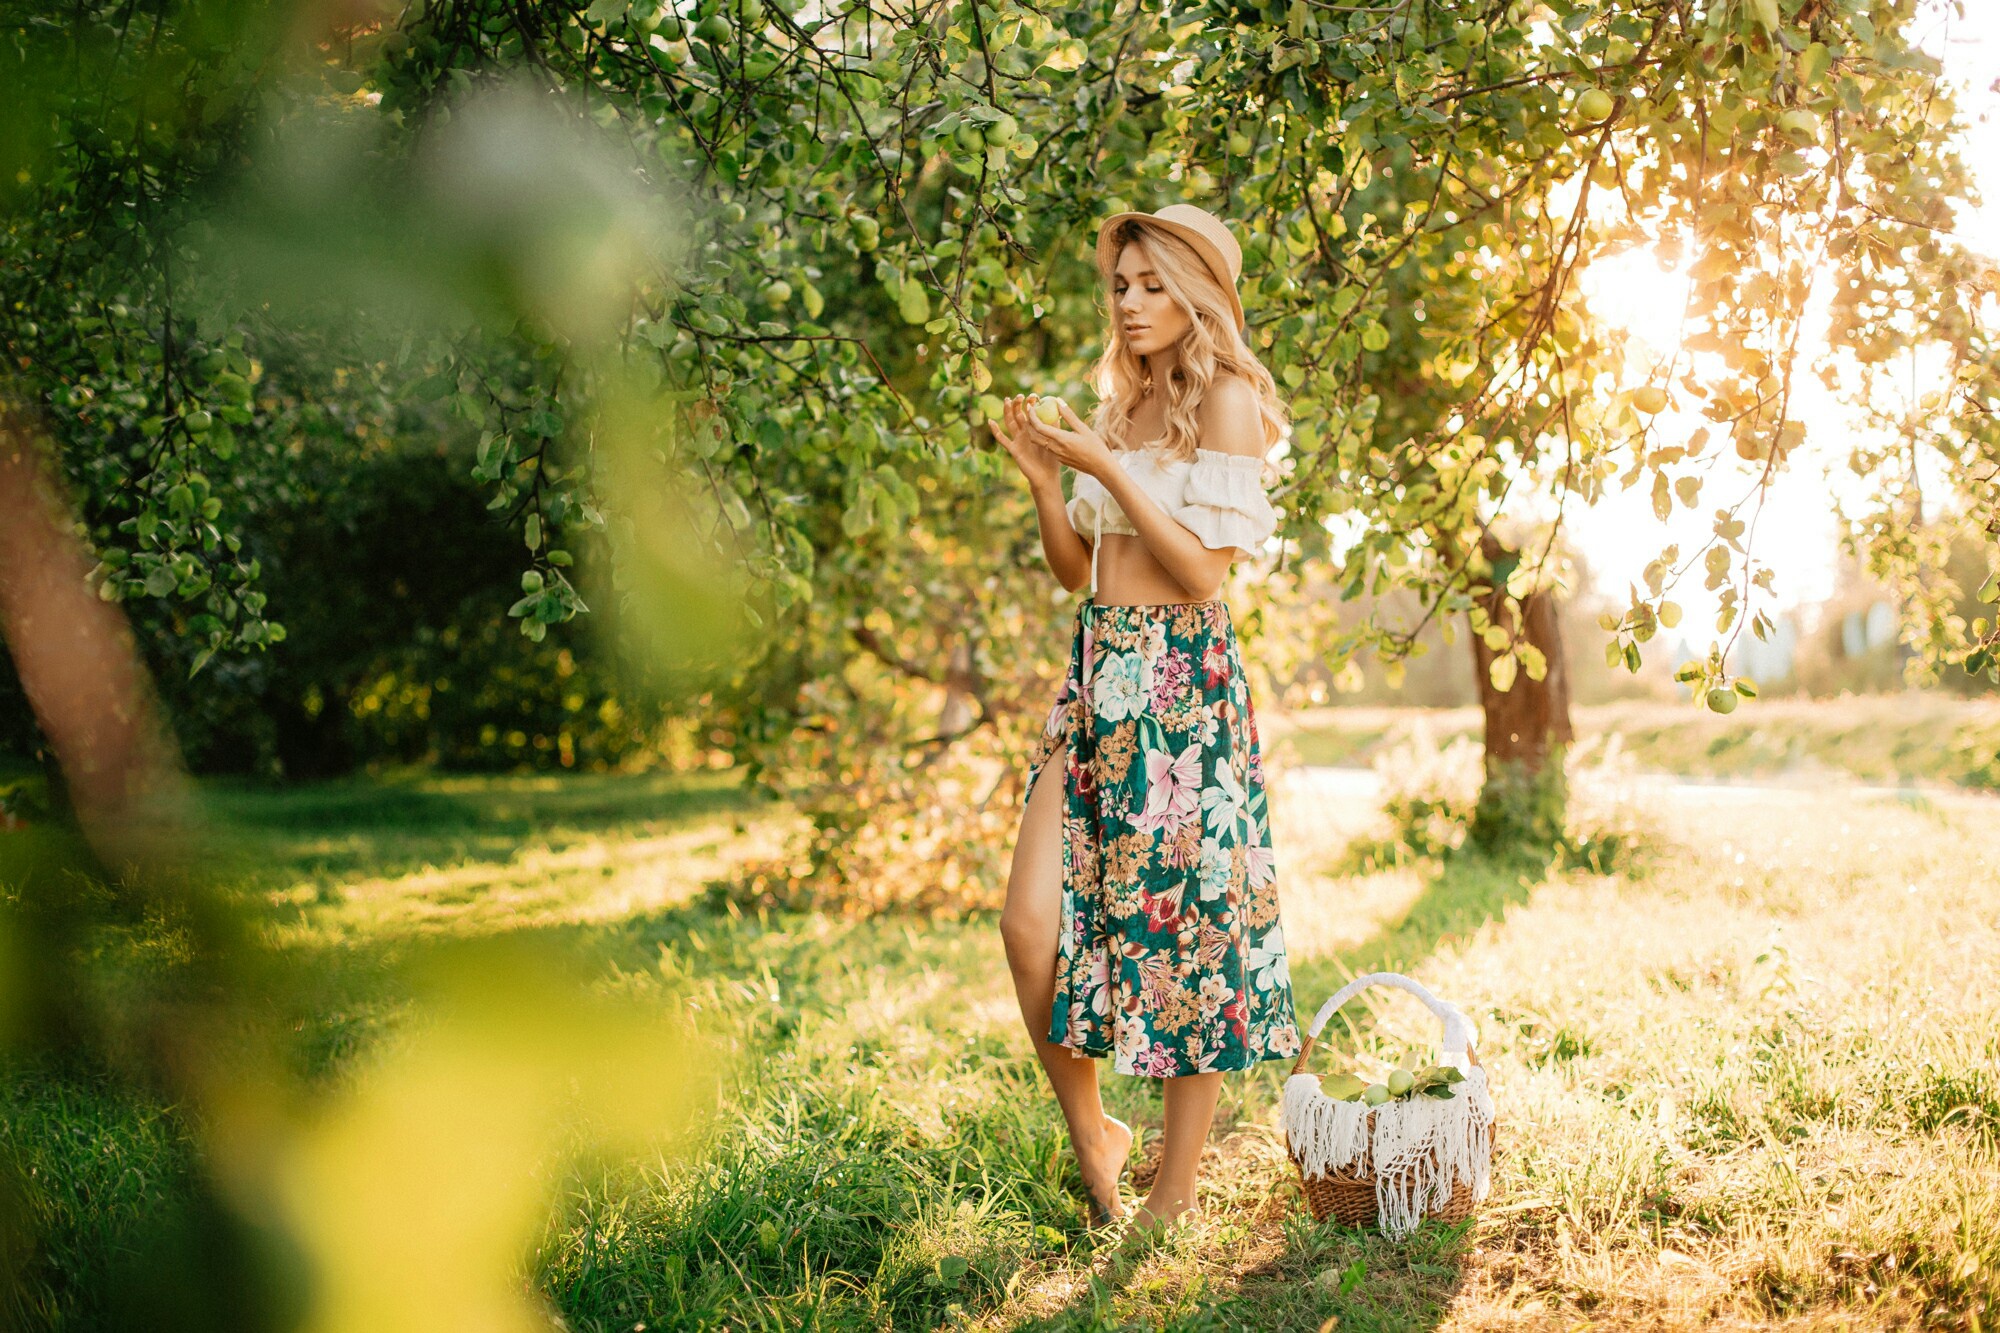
[1049, 410]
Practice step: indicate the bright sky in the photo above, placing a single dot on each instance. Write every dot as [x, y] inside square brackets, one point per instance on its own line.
[1795, 533]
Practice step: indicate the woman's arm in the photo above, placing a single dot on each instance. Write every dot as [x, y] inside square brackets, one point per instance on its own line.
[1068, 554]
[1229, 422]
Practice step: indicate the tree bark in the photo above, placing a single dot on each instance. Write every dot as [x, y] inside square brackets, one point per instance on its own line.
[1527, 725]
[79, 667]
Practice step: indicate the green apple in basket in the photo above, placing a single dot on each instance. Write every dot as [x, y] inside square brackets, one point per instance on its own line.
[1427, 1081]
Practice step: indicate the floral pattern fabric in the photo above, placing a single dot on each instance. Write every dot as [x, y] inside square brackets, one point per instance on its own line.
[1171, 955]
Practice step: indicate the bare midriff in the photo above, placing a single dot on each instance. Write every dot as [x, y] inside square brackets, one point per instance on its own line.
[1128, 574]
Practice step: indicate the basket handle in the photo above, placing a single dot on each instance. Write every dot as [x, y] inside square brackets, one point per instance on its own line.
[1456, 1049]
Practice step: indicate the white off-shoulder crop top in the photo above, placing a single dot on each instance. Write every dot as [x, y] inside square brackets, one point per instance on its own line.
[1218, 497]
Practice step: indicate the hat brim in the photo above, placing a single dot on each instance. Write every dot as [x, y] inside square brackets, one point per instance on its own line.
[1107, 254]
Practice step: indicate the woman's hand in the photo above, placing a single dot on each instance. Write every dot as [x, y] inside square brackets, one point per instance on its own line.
[1080, 447]
[1022, 440]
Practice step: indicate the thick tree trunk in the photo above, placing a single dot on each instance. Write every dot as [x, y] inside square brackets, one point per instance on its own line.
[1527, 725]
[79, 667]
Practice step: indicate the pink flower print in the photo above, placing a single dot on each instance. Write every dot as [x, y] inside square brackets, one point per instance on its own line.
[1235, 1017]
[1173, 794]
[1258, 856]
[1158, 1061]
[1097, 983]
[1170, 676]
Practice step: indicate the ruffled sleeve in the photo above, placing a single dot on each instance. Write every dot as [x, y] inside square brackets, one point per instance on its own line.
[1224, 502]
[1087, 495]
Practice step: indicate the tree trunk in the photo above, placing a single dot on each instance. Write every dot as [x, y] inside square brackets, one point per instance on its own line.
[958, 711]
[1522, 802]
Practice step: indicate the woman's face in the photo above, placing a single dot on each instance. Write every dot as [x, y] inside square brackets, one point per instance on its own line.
[1146, 315]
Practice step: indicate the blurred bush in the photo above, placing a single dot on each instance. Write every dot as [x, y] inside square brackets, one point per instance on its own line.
[1430, 793]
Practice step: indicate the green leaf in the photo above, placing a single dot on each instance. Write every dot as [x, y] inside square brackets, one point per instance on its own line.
[1341, 1087]
[1814, 62]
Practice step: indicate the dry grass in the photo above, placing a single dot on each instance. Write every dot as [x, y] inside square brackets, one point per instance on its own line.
[1909, 738]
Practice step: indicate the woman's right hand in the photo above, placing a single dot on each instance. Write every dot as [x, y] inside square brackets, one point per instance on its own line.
[1024, 443]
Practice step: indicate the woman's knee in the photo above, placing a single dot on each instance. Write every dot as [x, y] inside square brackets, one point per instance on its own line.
[1029, 936]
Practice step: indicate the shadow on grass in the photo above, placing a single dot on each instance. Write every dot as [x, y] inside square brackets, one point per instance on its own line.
[336, 831]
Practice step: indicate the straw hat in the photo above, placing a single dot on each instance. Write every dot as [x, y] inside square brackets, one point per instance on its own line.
[1200, 229]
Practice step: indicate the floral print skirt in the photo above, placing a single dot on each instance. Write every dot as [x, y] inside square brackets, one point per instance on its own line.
[1170, 955]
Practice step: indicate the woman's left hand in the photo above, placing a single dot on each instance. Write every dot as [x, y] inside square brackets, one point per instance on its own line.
[1078, 447]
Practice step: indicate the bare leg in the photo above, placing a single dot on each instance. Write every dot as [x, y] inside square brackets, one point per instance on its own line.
[1028, 925]
[1190, 1102]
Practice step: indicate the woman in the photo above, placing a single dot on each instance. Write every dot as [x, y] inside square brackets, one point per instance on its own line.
[1141, 919]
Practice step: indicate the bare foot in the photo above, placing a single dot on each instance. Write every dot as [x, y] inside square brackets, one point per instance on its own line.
[1103, 1163]
[1149, 1224]
[1158, 1213]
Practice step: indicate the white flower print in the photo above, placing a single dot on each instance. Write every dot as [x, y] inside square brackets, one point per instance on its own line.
[1224, 801]
[1156, 641]
[1267, 960]
[1132, 1044]
[1172, 784]
[1215, 992]
[1208, 728]
[1214, 869]
[1123, 686]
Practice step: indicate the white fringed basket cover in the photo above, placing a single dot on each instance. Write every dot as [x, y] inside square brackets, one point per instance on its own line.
[1422, 1146]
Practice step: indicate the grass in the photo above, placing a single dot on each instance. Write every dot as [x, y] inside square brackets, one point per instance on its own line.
[1748, 1083]
[1911, 738]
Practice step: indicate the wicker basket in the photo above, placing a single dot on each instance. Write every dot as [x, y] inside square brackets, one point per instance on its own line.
[1443, 1185]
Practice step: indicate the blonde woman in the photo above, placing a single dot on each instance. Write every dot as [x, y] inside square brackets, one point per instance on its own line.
[1141, 919]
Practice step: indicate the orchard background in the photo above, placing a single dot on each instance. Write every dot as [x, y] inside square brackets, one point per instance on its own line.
[504, 571]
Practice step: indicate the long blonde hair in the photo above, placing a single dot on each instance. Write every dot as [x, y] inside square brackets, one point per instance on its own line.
[1210, 347]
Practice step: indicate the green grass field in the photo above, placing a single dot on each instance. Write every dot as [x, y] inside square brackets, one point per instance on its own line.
[1913, 738]
[1749, 1082]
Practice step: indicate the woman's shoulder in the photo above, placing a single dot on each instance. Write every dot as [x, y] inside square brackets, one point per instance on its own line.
[1231, 418]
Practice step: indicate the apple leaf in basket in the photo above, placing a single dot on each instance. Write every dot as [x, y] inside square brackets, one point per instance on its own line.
[1341, 1087]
